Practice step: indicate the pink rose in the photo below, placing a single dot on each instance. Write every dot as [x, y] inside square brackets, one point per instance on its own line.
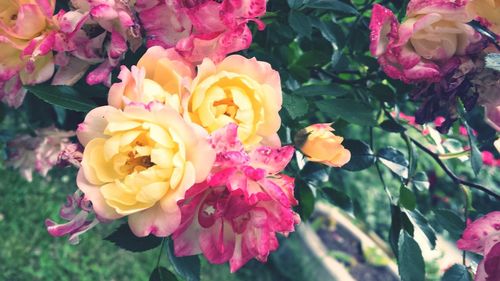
[200, 29]
[433, 32]
[483, 237]
[235, 214]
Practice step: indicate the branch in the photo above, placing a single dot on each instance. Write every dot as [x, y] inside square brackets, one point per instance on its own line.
[447, 170]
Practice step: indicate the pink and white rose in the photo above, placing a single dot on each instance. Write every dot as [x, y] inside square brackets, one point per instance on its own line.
[236, 213]
[483, 237]
[433, 32]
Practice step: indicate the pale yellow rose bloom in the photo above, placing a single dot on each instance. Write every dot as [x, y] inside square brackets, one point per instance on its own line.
[160, 76]
[238, 90]
[319, 144]
[139, 162]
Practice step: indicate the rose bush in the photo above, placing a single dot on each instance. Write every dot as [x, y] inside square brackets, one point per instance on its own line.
[207, 127]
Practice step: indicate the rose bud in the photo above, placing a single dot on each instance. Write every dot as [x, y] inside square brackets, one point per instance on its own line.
[319, 144]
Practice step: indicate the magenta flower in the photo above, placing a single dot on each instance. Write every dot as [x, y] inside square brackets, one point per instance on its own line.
[235, 214]
[200, 29]
[483, 237]
[415, 50]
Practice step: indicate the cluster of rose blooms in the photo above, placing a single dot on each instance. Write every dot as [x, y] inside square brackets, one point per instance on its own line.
[193, 154]
[39, 44]
[187, 146]
[436, 49]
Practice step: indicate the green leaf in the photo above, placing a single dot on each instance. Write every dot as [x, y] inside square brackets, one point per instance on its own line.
[315, 172]
[350, 110]
[420, 181]
[362, 156]
[395, 228]
[321, 90]
[383, 93]
[326, 29]
[410, 261]
[476, 158]
[296, 106]
[300, 23]
[187, 267]
[162, 274]
[390, 125]
[125, 239]
[394, 160]
[312, 58]
[306, 199]
[334, 5]
[294, 4]
[407, 198]
[418, 219]
[337, 198]
[458, 272]
[450, 221]
[63, 96]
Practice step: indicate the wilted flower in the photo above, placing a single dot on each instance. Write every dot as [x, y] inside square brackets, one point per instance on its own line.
[487, 84]
[37, 153]
[319, 144]
[80, 216]
[106, 31]
[200, 29]
[483, 237]
[139, 162]
[72, 154]
[235, 214]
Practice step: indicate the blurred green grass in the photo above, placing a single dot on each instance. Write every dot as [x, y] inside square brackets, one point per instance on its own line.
[28, 252]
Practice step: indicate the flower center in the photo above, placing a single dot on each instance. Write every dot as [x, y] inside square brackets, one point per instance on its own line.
[229, 107]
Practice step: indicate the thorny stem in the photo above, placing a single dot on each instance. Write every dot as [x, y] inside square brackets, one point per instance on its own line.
[450, 173]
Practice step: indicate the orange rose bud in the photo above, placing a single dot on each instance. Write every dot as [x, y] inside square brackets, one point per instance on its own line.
[319, 144]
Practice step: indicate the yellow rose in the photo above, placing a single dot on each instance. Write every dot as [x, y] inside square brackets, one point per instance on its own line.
[488, 12]
[160, 75]
[238, 90]
[139, 162]
[319, 144]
